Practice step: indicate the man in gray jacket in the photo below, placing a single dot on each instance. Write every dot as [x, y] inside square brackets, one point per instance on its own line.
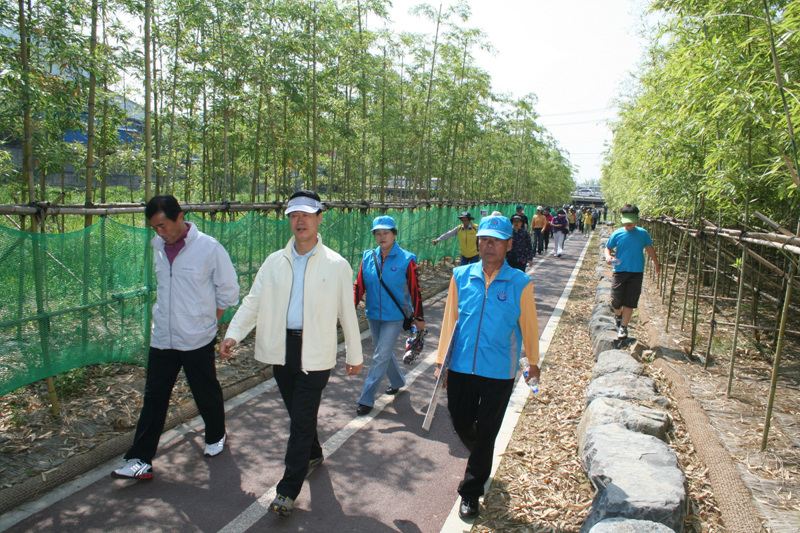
[296, 299]
[196, 284]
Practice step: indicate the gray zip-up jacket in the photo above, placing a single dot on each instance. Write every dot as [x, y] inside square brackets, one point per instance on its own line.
[200, 280]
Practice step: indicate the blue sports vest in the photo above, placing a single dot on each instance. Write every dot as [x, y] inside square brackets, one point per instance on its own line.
[489, 336]
[379, 304]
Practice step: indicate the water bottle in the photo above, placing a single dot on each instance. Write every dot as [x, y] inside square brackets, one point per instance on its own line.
[615, 261]
[413, 330]
[533, 383]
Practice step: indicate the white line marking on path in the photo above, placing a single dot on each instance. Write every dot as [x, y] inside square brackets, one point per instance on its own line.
[250, 516]
[66, 490]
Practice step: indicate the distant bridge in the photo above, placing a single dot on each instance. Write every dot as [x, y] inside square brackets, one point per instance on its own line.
[592, 201]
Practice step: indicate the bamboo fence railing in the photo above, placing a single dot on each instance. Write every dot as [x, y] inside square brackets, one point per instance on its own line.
[755, 267]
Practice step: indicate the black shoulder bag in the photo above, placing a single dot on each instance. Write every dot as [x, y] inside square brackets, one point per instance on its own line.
[407, 320]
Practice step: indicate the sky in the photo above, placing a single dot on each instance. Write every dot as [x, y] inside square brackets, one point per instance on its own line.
[573, 54]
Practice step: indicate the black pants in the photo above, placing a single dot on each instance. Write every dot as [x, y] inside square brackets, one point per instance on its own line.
[301, 393]
[546, 236]
[162, 371]
[538, 242]
[477, 405]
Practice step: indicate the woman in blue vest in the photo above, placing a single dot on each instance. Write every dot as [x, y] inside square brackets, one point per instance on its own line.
[388, 275]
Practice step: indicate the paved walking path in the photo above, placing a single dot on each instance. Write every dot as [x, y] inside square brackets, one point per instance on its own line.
[382, 472]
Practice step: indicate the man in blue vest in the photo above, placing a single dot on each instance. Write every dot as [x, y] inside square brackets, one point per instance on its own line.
[491, 312]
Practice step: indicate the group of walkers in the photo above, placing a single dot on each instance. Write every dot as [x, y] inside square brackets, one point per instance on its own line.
[530, 238]
[297, 298]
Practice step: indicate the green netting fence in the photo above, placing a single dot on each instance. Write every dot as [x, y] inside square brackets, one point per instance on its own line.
[85, 297]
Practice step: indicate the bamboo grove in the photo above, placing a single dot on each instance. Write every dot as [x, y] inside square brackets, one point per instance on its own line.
[710, 113]
[249, 99]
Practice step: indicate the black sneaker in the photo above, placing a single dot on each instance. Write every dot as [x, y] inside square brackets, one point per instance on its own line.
[282, 505]
[469, 508]
[363, 409]
[392, 390]
[622, 332]
[313, 463]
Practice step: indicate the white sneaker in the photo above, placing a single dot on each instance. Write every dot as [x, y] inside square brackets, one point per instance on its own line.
[134, 469]
[216, 448]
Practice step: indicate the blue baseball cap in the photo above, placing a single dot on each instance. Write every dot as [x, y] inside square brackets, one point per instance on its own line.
[497, 227]
[383, 222]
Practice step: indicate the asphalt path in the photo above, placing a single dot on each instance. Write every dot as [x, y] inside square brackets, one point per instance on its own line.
[382, 472]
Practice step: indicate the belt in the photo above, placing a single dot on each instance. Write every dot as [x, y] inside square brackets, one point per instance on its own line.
[294, 332]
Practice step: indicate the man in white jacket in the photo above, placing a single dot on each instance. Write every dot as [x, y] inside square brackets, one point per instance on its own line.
[196, 284]
[295, 301]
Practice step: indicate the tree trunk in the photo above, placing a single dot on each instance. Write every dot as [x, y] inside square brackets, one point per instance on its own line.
[91, 113]
[148, 141]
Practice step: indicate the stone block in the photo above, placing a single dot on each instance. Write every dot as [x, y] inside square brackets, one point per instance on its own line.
[616, 361]
[602, 294]
[606, 340]
[628, 525]
[633, 416]
[603, 309]
[625, 386]
[636, 476]
[601, 324]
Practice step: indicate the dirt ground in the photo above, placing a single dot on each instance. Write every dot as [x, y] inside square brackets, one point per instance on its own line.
[540, 485]
[772, 476]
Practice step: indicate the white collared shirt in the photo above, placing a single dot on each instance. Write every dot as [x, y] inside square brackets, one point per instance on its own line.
[294, 315]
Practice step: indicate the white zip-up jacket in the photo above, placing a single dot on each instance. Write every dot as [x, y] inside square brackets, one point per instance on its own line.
[327, 296]
[200, 280]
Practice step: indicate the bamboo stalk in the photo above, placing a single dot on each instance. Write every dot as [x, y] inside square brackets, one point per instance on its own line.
[739, 303]
[686, 286]
[678, 253]
[697, 282]
[714, 300]
[776, 363]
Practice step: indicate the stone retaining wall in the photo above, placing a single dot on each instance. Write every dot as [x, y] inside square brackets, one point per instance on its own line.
[622, 436]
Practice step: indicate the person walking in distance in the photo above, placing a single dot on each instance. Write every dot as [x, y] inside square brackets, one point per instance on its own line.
[490, 314]
[467, 242]
[295, 301]
[629, 244]
[587, 222]
[521, 213]
[521, 254]
[548, 228]
[196, 283]
[560, 226]
[388, 276]
[538, 224]
[571, 219]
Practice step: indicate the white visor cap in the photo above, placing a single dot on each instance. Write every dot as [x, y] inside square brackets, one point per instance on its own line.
[304, 204]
